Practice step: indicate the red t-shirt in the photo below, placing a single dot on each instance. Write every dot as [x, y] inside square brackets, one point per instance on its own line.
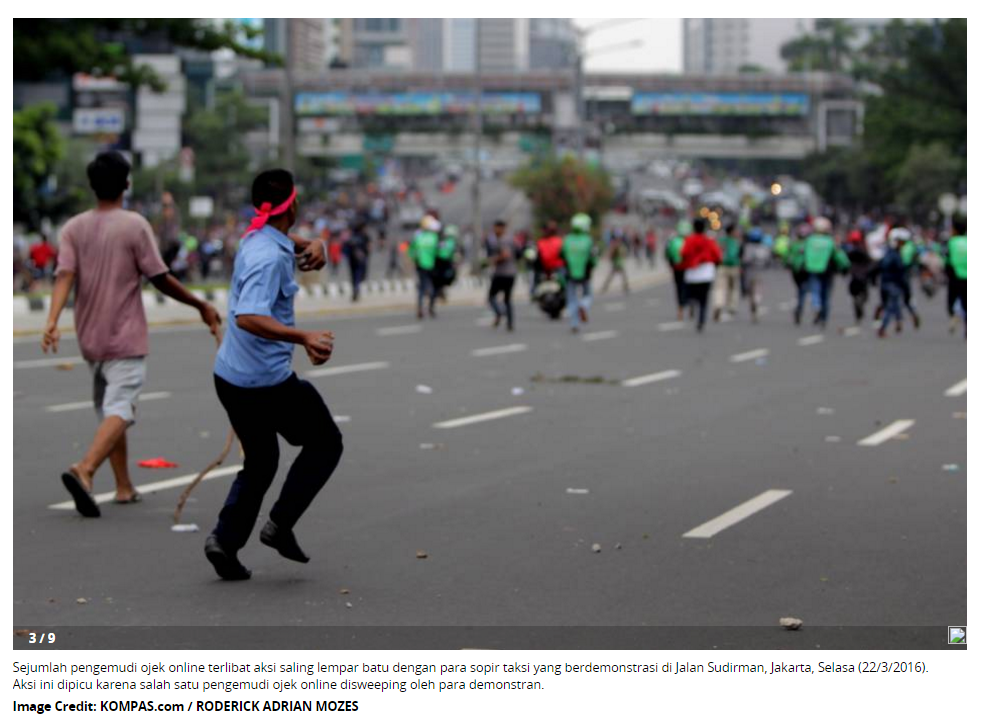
[699, 249]
[550, 253]
[42, 255]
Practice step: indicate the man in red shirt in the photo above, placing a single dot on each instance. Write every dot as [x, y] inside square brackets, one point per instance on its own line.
[550, 249]
[699, 257]
[42, 256]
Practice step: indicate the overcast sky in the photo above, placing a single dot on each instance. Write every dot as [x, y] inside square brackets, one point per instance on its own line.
[661, 49]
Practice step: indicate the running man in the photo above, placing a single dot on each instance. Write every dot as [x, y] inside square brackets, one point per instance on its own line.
[104, 255]
[618, 259]
[578, 253]
[727, 291]
[672, 251]
[422, 250]
[501, 253]
[262, 395]
[819, 249]
[957, 275]
[699, 257]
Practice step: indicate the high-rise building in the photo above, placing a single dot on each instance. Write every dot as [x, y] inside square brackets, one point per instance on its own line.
[375, 43]
[552, 44]
[459, 44]
[301, 42]
[722, 46]
[503, 44]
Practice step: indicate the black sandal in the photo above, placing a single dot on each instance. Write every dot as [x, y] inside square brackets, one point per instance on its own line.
[84, 502]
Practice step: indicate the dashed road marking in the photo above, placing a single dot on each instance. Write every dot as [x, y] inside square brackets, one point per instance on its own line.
[737, 514]
[852, 330]
[485, 417]
[749, 355]
[887, 433]
[671, 325]
[651, 378]
[156, 486]
[47, 362]
[495, 350]
[333, 371]
[599, 335]
[399, 330]
[957, 390]
[72, 406]
[810, 340]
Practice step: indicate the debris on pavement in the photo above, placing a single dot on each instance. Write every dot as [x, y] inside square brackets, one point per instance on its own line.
[344, 591]
[825, 410]
[81, 601]
[421, 554]
[423, 389]
[431, 445]
[791, 623]
[618, 546]
[348, 605]
[517, 391]
[576, 491]
[596, 547]
[951, 467]
[65, 366]
[189, 527]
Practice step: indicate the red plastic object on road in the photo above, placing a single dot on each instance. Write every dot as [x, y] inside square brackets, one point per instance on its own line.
[157, 463]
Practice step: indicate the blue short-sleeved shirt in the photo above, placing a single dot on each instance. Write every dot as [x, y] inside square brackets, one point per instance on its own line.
[262, 284]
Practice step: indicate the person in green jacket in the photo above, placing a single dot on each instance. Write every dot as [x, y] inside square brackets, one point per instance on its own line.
[781, 244]
[795, 263]
[727, 290]
[445, 269]
[956, 258]
[579, 255]
[819, 251]
[422, 251]
[672, 251]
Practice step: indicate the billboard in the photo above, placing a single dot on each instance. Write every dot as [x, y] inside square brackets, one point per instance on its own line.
[409, 104]
[720, 104]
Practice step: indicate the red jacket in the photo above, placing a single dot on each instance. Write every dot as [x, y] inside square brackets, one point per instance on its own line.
[550, 253]
[699, 249]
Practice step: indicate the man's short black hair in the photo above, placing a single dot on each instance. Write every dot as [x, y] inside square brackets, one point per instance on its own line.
[960, 226]
[500, 222]
[272, 187]
[107, 175]
[730, 228]
[698, 225]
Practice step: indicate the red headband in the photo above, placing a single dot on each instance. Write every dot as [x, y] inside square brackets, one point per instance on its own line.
[266, 211]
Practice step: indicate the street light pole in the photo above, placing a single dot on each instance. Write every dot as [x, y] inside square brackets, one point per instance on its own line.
[478, 132]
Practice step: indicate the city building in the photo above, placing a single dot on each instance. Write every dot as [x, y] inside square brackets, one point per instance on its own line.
[300, 42]
[724, 46]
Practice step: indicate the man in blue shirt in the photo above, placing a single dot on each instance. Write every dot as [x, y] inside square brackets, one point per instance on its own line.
[260, 392]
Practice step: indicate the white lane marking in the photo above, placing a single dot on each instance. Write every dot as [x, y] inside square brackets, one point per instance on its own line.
[749, 355]
[651, 378]
[615, 306]
[887, 433]
[72, 406]
[737, 514]
[599, 335]
[156, 486]
[852, 330]
[397, 330]
[957, 390]
[48, 362]
[331, 371]
[485, 417]
[810, 340]
[494, 350]
[671, 325]
[341, 419]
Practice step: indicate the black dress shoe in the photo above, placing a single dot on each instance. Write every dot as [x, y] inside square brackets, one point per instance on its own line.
[283, 541]
[226, 564]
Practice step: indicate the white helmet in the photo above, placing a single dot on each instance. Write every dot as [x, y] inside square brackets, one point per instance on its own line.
[429, 223]
[898, 235]
[822, 225]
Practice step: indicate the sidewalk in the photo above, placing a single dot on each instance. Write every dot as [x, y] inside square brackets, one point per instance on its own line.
[334, 298]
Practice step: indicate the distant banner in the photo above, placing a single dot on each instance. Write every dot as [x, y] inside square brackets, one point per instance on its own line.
[719, 104]
[344, 103]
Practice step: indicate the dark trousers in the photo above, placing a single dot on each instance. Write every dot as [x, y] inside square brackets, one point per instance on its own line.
[892, 301]
[680, 289]
[956, 291]
[295, 410]
[427, 289]
[699, 294]
[359, 271]
[502, 285]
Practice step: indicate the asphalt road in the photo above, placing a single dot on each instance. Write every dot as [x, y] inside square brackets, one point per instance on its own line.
[868, 540]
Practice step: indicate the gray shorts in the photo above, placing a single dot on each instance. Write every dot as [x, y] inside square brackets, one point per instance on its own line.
[116, 384]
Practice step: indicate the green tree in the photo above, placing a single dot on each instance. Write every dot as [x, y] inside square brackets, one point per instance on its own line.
[217, 137]
[37, 149]
[45, 48]
[558, 188]
[828, 48]
[928, 171]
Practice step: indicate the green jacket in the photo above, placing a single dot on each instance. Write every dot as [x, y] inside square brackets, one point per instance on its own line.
[795, 256]
[730, 251]
[422, 249]
[957, 255]
[577, 250]
[818, 250]
[908, 252]
[673, 250]
[781, 246]
[446, 250]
